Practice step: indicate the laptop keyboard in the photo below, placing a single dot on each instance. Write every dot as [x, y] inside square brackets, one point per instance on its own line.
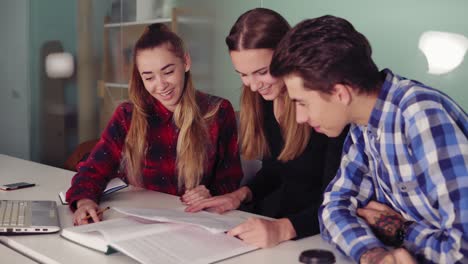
[12, 213]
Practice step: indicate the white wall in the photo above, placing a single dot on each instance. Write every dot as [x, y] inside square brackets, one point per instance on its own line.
[14, 78]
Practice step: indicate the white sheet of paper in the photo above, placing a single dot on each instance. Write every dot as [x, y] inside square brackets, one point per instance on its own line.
[188, 244]
[214, 223]
[155, 242]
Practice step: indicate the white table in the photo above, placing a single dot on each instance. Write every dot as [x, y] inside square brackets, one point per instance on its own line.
[10, 256]
[51, 248]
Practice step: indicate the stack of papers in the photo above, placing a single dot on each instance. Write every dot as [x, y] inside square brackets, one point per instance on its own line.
[215, 223]
[169, 236]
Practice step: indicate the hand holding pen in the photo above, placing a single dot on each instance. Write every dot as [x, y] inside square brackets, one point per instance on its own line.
[99, 212]
[87, 211]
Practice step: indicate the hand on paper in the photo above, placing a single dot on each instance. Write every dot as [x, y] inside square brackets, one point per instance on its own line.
[222, 203]
[85, 207]
[402, 256]
[381, 256]
[218, 204]
[264, 233]
[196, 194]
[383, 220]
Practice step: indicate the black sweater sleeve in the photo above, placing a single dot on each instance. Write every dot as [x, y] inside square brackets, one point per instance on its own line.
[306, 222]
[312, 165]
[265, 181]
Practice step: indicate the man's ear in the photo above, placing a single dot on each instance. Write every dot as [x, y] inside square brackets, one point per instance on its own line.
[342, 93]
[187, 62]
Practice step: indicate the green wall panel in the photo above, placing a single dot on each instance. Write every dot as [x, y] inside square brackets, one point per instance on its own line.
[393, 29]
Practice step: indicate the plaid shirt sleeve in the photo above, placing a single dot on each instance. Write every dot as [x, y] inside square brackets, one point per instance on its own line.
[103, 162]
[439, 148]
[228, 170]
[352, 188]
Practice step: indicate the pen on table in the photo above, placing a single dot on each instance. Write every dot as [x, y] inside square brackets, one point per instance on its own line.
[98, 213]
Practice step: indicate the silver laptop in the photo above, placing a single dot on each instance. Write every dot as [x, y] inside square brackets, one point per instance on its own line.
[28, 217]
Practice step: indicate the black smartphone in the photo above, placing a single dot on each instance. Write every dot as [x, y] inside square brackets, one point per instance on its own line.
[16, 185]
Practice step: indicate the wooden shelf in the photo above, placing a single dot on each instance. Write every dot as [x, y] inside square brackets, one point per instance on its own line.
[103, 86]
[137, 23]
[116, 85]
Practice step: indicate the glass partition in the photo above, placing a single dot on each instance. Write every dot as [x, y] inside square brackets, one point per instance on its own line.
[46, 118]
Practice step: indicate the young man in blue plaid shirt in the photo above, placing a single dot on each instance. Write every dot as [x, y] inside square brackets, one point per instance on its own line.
[403, 179]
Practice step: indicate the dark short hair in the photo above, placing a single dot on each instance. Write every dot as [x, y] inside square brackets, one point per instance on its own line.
[259, 28]
[325, 51]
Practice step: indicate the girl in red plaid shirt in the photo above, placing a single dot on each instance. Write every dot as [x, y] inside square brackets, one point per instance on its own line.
[169, 138]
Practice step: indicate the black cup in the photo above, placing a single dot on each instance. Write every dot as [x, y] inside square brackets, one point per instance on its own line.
[317, 256]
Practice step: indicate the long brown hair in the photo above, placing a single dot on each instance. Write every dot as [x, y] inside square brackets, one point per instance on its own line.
[193, 140]
[262, 28]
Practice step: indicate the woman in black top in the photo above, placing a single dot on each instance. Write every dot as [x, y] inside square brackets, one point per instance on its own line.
[297, 162]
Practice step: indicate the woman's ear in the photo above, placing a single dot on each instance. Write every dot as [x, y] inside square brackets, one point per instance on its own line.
[187, 62]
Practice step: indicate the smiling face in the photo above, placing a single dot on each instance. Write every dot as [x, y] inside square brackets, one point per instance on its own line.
[163, 74]
[326, 113]
[253, 68]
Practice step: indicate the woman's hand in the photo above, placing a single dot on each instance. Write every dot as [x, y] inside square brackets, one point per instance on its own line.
[264, 233]
[196, 194]
[222, 203]
[383, 256]
[85, 207]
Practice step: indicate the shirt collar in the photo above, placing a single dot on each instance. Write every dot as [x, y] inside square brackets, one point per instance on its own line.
[377, 118]
[161, 111]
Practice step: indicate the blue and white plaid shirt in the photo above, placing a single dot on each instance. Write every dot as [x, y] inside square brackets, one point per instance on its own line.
[411, 156]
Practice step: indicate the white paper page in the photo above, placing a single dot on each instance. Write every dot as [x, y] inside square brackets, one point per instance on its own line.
[91, 239]
[189, 244]
[99, 235]
[62, 198]
[116, 223]
[90, 235]
[214, 223]
[125, 228]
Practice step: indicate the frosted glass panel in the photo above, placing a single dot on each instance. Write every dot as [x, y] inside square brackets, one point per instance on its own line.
[394, 29]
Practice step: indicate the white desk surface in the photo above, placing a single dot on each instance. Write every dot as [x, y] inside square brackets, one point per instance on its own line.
[10, 256]
[51, 248]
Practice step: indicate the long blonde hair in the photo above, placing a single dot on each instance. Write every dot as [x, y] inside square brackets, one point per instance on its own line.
[262, 28]
[193, 140]
[252, 133]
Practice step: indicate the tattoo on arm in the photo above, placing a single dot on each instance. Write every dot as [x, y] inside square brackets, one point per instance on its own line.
[386, 226]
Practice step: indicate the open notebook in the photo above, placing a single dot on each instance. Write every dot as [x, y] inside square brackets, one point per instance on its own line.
[151, 241]
[112, 186]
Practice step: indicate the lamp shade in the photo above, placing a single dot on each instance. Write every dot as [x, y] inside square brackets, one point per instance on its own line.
[444, 51]
[59, 65]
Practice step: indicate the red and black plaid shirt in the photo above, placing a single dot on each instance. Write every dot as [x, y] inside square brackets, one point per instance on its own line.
[223, 172]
